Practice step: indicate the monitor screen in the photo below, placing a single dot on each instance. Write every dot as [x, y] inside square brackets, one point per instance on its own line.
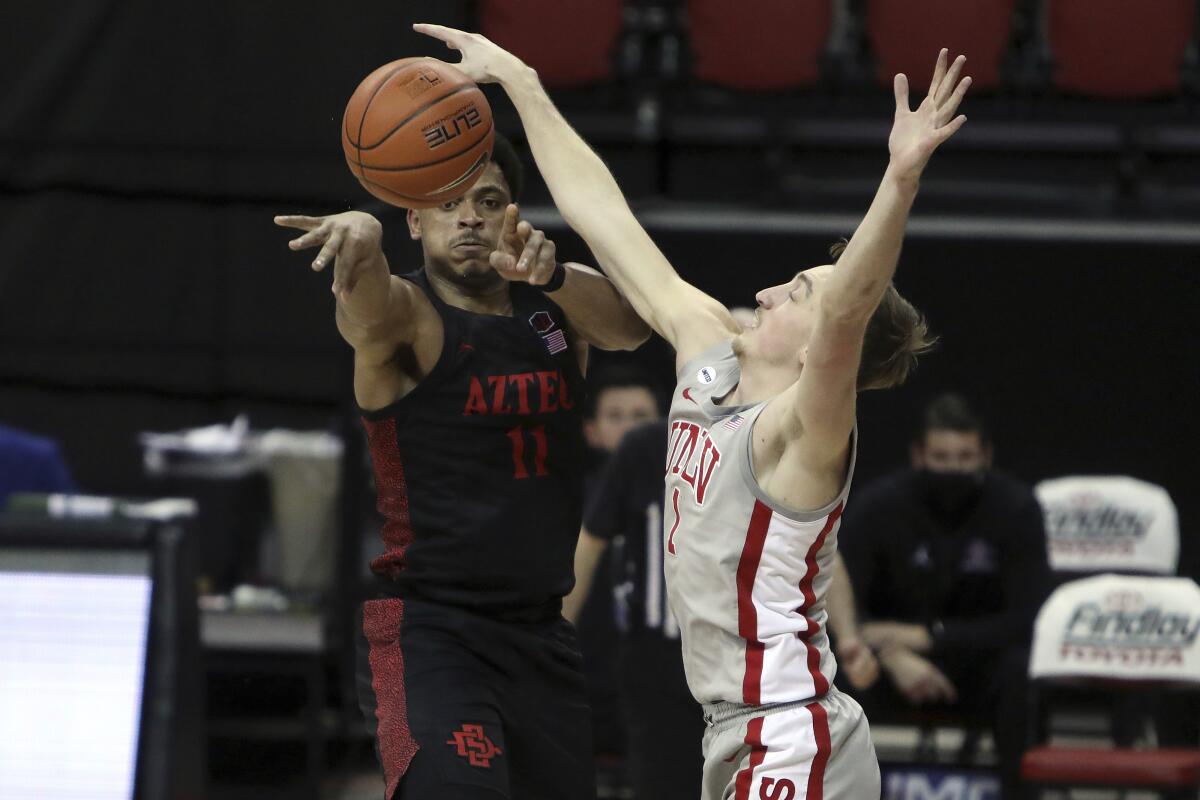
[73, 635]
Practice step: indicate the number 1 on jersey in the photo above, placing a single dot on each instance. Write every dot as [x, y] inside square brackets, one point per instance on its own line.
[517, 436]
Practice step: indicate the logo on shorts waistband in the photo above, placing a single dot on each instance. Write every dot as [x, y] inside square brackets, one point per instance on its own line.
[474, 745]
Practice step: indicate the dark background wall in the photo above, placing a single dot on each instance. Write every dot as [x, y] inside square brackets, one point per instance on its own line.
[145, 146]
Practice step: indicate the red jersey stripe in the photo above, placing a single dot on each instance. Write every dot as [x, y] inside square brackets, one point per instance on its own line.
[816, 776]
[756, 537]
[820, 682]
[757, 753]
[382, 620]
[392, 488]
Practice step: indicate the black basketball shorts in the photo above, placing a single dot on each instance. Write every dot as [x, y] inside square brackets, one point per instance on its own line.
[465, 706]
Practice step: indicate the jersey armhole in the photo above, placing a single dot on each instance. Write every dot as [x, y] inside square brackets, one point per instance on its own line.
[799, 515]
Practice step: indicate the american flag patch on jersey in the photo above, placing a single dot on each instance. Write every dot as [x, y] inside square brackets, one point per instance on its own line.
[556, 341]
[734, 422]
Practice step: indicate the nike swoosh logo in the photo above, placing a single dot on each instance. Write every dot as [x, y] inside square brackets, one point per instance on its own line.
[687, 395]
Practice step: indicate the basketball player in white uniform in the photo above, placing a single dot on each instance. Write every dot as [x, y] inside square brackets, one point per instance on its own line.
[762, 443]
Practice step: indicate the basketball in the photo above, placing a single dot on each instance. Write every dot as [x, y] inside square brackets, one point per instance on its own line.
[417, 132]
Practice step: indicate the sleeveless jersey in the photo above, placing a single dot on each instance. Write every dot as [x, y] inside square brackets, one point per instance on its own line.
[479, 468]
[746, 578]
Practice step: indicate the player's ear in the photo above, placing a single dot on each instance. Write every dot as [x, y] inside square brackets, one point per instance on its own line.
[414, 224]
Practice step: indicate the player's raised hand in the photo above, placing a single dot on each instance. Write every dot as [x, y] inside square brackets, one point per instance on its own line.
[483, 61]
[349, 241]
[916, 134]
[523, 253]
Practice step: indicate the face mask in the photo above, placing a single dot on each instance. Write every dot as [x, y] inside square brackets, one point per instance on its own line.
[950, 493]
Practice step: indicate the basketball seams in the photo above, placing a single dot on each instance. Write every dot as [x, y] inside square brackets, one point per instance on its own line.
[357, 140]
[491, 126]
[416, 113]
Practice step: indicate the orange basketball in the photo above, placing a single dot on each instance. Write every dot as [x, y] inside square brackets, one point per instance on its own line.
[417, 132]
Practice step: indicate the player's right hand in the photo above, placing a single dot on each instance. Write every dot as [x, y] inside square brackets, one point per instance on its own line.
[349, 241]
[483, 61]
[917, 678]
[916, 134]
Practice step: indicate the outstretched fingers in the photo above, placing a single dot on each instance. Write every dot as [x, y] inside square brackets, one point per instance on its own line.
[900, 86]
[451, 36]
[948, 109]
[951, 128]
[939, 71]
[329, 251]
[298, 221]
[948, 84]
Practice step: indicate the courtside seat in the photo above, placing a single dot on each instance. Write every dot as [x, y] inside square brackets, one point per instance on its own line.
[1106, 637]
[1166, 768]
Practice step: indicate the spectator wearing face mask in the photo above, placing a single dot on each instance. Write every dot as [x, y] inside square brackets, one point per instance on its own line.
[949, 559]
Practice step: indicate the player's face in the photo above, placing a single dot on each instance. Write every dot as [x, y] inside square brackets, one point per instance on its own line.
[784, 318]
[617, 410]
[458, 236]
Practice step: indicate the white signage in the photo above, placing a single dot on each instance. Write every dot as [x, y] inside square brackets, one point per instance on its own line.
[1120, 626]
[1109, 524]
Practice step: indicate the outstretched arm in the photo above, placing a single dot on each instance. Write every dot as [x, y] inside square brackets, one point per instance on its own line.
[375, 310]
[819, 408]
[592, 204]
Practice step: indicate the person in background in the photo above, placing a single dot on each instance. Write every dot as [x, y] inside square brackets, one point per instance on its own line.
[31, 463]
[949, 557]
[620, 397]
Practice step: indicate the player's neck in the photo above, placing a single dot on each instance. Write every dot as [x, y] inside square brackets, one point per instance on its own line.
[478, 297]
[759, 382]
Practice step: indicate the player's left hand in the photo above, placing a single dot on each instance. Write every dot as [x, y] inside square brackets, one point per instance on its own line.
[881, 635]
[916, 134]
[858, 663]
[483, 61]
[523, 254]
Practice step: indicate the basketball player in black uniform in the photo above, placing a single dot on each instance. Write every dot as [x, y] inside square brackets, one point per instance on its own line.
[469, 373]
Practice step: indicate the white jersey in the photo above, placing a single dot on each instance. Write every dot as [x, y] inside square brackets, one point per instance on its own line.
[746, 578]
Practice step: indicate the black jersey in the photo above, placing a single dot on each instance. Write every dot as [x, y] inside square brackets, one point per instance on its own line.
[479, 469]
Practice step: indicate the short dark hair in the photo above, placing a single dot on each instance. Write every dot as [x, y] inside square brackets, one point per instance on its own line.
[896, 334]
[951, 412]
[618, 376]
[504, 156]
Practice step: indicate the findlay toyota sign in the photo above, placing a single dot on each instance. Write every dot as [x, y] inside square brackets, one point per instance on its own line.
[1120, 626]
[1101, 523]
[1142, 634]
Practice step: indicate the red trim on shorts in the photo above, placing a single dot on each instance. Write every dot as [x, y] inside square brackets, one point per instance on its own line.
[757, 753]
[756, 538]
[382, 620]
[820, 682]
[392, 488]
[816, 775]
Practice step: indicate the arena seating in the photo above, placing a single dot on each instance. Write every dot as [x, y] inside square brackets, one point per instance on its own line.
[904, 34]
[569, 42]
[779, 46]
[1151, 38]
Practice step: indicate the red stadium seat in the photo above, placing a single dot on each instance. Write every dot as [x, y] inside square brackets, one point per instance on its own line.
[778, 46]
[1088, 766]
[1118, 49]
[569, 42]
[907, 34]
